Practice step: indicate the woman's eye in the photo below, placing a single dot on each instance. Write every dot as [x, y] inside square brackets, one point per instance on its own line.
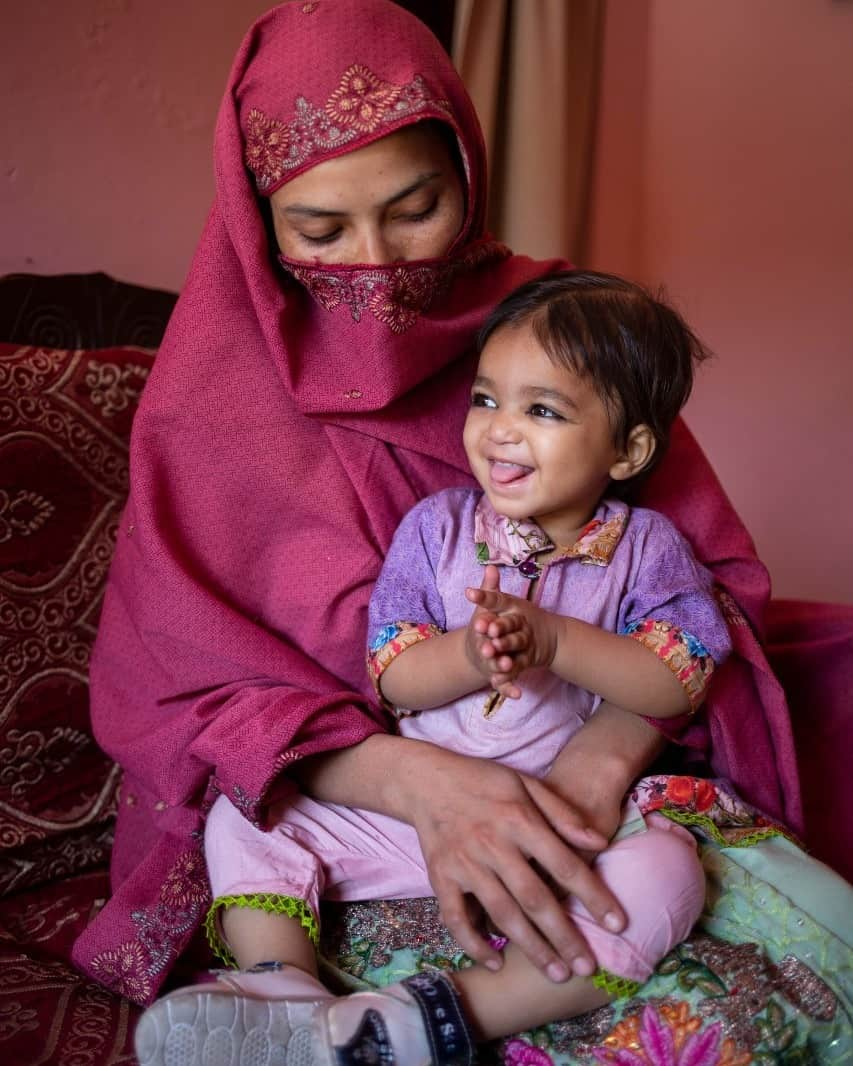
[419, 216]
[479, 399]
[539, 410]
[323, 238]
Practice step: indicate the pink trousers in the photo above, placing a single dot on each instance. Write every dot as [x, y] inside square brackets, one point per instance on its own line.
[320, 851]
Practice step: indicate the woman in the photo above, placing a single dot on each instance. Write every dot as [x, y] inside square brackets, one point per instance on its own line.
[296, 411]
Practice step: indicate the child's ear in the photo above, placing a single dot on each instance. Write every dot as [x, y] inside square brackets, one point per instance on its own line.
[639, 449]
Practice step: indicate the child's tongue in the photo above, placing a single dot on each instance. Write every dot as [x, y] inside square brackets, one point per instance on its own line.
[504, 473]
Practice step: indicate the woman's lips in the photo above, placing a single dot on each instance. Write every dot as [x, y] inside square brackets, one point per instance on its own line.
[502, 473]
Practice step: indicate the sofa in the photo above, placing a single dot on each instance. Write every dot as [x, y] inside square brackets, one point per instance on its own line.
[75, 351]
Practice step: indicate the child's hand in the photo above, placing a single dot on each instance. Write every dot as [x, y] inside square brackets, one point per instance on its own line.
[488, 639]
[510, 634]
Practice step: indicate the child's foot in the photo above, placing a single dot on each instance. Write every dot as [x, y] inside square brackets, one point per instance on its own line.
[416, 1023]
[279, 1015]
[263, 1016]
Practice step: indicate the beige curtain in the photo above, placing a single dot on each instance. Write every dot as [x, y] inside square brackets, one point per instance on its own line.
[531, 67]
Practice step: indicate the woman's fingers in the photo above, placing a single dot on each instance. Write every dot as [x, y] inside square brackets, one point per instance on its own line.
[501, 838]
[566, 821]
[568, 869]
[458, 915]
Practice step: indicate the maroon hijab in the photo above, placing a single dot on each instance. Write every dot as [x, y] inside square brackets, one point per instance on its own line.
[293, 416]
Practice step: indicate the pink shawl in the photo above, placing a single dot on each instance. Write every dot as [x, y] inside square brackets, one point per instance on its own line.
[289, 423]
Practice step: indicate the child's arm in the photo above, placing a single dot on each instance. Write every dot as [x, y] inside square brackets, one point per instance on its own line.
[614, 666]
[450, 665]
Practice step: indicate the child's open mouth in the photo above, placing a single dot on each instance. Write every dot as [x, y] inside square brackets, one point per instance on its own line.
[506, 473]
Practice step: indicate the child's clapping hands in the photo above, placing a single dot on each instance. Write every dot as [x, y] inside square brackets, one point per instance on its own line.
[507, 635]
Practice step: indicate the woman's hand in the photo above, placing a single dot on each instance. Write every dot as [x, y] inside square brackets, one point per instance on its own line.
[486, 832]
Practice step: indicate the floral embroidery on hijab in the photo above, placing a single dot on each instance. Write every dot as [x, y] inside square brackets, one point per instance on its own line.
[361, 103]
[396, 295]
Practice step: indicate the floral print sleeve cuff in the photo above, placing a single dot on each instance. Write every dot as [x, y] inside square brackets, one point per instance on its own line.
[684, 654]
[388, 643]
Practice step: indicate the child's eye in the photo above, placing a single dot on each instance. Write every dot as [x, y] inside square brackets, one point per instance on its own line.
[480, 399]
[539, 410]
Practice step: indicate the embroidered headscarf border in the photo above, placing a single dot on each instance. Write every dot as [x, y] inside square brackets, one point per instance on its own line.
[361, 104]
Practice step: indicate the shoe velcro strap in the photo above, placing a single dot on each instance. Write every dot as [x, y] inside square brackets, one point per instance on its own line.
[446, 1027]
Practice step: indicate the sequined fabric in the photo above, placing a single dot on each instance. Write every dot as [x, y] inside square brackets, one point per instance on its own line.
[765, 978]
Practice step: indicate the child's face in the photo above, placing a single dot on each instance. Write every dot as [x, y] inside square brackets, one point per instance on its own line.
[538, 436]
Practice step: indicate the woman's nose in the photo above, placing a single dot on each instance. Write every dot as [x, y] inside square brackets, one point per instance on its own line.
[374, 247]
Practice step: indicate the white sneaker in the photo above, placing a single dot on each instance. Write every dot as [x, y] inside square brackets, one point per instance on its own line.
[258, 1017]
[276, 1015]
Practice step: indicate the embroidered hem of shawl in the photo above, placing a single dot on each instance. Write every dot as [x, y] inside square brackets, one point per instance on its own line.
[270, 903]
[389, 642]
[397, 294]
[686, 657]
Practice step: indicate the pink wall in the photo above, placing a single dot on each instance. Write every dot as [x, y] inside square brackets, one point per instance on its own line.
[107, 110]
[725, 171]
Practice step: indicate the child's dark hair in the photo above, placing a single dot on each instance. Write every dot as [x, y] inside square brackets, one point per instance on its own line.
[638, 352]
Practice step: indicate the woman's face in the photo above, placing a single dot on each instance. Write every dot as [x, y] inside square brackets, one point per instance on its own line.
[397, 199]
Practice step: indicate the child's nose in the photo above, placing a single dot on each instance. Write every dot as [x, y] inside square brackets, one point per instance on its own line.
[504, 429]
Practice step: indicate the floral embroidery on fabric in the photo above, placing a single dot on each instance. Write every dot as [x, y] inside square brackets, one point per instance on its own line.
[361, 103]
[670, 1036]
[724, 997]
[396, 295]
[503, 540]
[131, 969]
[361, 99]
[510, 542]
[730, 610]
[598, 540]
[687, 657]
[389, 642]
[247, 805]
[520, 1053]
[709, 806]
[366, 935]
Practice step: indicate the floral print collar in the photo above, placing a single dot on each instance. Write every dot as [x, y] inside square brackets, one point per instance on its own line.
[506, 541]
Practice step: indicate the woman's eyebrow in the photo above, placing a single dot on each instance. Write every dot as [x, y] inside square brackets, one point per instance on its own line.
[418, 183]
[307, 211]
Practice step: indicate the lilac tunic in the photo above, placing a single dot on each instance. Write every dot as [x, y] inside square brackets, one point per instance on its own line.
[630, 572]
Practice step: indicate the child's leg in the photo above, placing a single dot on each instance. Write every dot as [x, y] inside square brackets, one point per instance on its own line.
[657, 877]
[265, 890]
[519, 996]
[256, 936]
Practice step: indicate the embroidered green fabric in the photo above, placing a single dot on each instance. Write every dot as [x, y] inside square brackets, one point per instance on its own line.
[272, 903]
[703, 822]
[614, 985]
